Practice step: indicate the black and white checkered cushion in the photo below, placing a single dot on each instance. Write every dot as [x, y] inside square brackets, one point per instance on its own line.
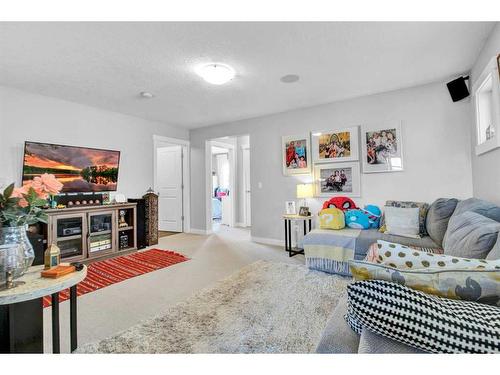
[426, 322]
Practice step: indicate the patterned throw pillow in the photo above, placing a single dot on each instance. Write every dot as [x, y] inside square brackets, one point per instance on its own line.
[442, 275]
[423, 208]
[429, 323]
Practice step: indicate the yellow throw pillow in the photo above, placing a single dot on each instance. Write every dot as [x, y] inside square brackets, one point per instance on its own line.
[331, 218]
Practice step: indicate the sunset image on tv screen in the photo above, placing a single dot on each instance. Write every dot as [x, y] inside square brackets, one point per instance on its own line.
[78, 169]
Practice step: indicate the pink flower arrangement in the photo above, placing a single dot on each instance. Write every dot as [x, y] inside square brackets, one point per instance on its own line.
[22, 205]
[43, 186]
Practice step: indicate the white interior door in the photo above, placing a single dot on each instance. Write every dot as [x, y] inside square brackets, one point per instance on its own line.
[169, 187]
[246, 186]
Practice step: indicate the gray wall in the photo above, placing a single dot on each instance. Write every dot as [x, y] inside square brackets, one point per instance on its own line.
[486, 167]
[437, 152]
[25, 116]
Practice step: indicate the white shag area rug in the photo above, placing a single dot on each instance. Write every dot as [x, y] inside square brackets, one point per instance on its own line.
[265, 307]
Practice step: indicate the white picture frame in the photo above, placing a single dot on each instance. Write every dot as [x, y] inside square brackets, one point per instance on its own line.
[292, 161]
[327, 144]
[290, 208]
[382, 147]
[329, 181]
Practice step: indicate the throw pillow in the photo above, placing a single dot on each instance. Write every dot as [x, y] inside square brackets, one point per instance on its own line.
[402, 221]
[423, 208]
[441, 275]
[494, 254]
[429, 323]
[484, 208]
[331, 218]
[470, 235]
[438, 216]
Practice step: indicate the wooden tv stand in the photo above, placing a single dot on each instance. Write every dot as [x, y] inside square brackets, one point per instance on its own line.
[90, 232]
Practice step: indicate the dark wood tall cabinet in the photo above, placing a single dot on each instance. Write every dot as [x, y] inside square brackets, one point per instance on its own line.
[151, 218]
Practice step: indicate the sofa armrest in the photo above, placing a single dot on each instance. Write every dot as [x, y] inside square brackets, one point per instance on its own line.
[338, 337]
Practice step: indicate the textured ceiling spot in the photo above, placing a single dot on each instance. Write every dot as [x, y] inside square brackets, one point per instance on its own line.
[289, 78]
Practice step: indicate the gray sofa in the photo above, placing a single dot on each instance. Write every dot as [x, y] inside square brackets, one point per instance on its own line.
[466, 228]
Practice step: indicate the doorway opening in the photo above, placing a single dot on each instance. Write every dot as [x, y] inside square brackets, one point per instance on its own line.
[171, 183]
[228, 182]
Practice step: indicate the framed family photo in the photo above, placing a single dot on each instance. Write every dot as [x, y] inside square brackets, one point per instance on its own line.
[382, 148]
[338, 179]
[296, 153]
[335, 145]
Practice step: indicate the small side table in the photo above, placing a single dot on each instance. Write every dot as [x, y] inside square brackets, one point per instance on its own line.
[21, 311]
[307, 220]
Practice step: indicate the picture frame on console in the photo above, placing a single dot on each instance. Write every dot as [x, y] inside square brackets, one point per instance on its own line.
[337, 145]
[338, 179]
[296, 154]
[382, 147]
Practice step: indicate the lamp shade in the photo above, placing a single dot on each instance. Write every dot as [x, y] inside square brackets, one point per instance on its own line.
[305, 191]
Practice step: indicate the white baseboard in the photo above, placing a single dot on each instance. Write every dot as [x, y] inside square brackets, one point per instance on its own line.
[240, 225]
[202, 232]
[268, 241]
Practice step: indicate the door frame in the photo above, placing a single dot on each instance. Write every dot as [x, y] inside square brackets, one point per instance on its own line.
[161, 141]
[244, 201]
[208, 180]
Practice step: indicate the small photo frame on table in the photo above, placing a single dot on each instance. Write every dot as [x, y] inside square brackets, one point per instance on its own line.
[338, 145]
[304, 211]
[296, 155]
[338, 179]
[290, 208]
[382, 148]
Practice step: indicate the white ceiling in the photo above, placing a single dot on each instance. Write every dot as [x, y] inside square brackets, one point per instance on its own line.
[107, 64]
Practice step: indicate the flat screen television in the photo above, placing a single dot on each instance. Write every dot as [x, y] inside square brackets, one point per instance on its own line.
[79, 169]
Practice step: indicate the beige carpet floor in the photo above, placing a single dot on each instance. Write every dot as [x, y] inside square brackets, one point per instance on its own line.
[266, 307]
[118, 307]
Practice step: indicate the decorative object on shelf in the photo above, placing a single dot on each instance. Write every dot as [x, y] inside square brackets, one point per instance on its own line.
[20, 207]
[335, 145]
[117, 198]
[105, 198]
[382, 148]
[12, 264]
[124, 241]
[52, 257]
[290, 208]
[151, 217]
[122, 223]
[58, 271]
[296, 154]
[335, 178]
[304, 211]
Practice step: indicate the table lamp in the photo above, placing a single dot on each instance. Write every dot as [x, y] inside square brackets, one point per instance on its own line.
[305, 191]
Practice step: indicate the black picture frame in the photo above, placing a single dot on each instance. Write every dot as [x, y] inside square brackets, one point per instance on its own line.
[304, 211]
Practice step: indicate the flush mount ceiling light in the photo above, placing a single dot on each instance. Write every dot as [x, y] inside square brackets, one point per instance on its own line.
[289, 78]
[146, 95]
[215, 73]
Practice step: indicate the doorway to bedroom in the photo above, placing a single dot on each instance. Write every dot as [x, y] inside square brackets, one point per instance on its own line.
[229, 182]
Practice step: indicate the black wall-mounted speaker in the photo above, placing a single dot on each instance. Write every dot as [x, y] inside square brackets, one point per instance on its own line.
[458, 89]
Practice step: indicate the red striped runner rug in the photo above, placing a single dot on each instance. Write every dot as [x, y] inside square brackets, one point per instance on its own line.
[100, 274]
